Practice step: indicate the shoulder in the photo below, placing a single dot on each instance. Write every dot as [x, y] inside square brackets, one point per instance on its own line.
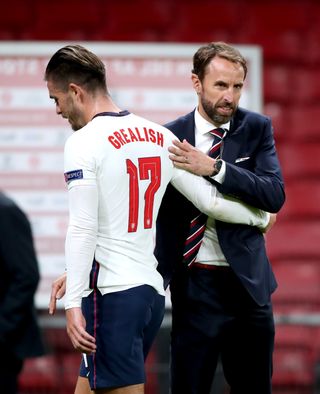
[156, 127]
[10, 212]
[250, 117]
[6, 203]
[182, 121]
[80, 140]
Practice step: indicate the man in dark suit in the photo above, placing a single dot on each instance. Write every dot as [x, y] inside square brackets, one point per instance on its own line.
[221, 305]
[19, 276]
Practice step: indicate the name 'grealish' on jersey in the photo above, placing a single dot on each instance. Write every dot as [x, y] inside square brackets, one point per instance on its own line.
[117, 168]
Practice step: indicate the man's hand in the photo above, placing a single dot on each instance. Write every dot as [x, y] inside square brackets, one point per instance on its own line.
[272, 220]
[81, 340]
[58, 290]
[187, 157]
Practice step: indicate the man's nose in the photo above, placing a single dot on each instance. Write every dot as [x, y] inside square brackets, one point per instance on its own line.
[228, 96]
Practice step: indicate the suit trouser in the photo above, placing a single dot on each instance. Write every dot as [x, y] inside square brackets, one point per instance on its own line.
[10, 367]
[213, 316]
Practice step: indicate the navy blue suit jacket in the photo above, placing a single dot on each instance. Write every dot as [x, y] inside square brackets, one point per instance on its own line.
[256, 180]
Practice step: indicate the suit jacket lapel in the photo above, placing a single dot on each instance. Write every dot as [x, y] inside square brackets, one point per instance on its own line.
[185, 128]
[190, 130]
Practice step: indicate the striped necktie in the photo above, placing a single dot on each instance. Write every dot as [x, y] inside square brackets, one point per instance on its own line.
[198, 223]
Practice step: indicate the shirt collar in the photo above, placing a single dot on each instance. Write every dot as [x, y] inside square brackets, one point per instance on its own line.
[203, 126]
[118, 114]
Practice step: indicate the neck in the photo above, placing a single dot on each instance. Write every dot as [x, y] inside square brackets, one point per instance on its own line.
[101, 104]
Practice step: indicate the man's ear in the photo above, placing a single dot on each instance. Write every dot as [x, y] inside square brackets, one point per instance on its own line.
[76, 90]
[196, 83]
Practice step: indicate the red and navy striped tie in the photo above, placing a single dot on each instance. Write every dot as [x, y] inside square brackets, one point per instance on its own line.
[198, 223]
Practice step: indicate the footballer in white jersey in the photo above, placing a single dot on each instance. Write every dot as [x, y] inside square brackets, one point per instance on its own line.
[125, 158]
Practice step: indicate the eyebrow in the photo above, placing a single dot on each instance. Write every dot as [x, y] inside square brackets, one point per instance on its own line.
[221, 81]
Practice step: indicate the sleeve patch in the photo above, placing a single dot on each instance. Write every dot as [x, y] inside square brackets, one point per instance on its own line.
[73, 175]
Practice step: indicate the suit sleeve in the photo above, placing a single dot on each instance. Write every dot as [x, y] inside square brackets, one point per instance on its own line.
[20, 264]
[262, 185]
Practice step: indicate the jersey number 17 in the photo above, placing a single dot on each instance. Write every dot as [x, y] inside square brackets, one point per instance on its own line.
[148, 168]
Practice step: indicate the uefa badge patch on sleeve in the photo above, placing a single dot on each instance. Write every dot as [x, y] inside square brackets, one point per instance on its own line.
[73, 175]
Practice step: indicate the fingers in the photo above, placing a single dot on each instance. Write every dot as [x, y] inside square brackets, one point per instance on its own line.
[183, 145]
[181, 148]
[61, 291]
[272, 221]
[52, 304]
[80, 338]
[53, 298]
[181, 153]
[177, 159]
[58, 290]
[177, 153]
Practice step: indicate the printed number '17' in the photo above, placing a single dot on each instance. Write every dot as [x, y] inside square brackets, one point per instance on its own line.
[149, 168]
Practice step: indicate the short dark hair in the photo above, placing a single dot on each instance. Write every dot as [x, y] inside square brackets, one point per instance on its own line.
[207, 52]
[76, 64]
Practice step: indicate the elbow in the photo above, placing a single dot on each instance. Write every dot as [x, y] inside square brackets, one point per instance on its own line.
[279, 200]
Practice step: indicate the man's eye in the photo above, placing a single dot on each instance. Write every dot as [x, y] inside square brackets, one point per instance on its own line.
[221, 85]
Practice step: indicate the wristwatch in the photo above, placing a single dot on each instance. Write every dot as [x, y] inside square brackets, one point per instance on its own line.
[217, 167]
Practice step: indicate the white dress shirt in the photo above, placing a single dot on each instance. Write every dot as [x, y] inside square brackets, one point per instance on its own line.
[210, 251]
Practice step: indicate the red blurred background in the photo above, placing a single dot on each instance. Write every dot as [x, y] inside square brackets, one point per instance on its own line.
[288, 32]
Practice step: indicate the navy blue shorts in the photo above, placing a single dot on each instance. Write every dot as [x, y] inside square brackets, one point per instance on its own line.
[125, 324]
